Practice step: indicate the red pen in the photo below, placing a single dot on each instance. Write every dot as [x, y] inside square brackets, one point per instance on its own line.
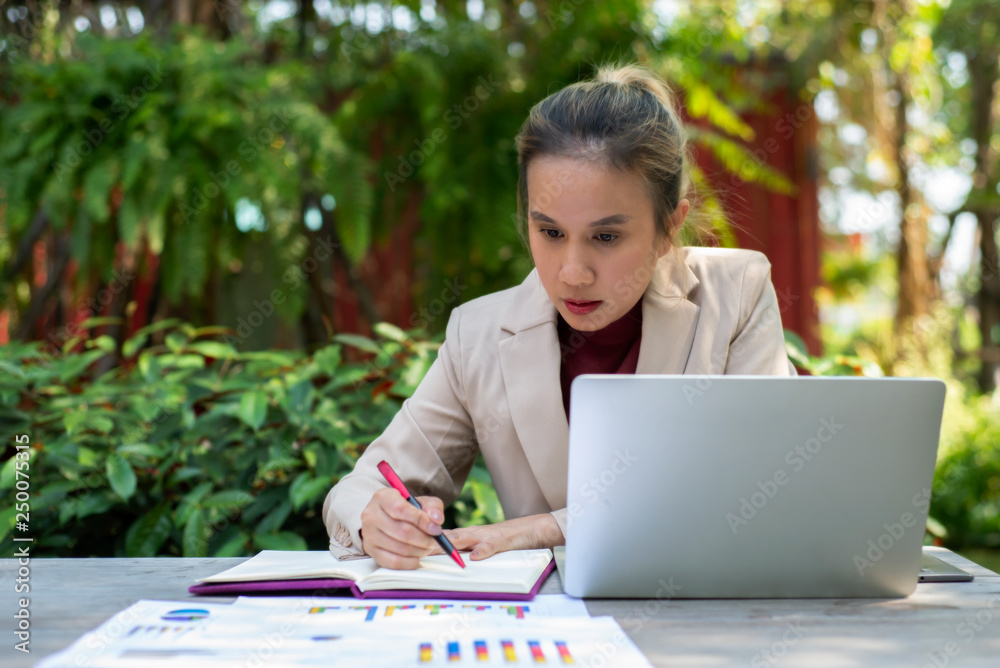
[390, 475]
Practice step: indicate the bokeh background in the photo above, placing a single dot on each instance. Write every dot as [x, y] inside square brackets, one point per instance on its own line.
[231, 232]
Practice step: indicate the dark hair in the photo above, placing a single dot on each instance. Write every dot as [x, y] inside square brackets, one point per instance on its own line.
[623, 118]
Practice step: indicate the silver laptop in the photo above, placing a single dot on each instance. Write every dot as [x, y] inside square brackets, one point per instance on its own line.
[748, 486]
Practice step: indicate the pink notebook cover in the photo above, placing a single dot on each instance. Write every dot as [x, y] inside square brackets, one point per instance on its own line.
[343, 587]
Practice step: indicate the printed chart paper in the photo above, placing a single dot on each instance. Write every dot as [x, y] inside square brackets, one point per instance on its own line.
[157, 634]
[317, 609]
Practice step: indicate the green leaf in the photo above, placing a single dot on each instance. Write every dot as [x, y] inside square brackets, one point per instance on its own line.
[100, 321]
[390, 331]
[86, 456]
[213, 349]
[253, 408]
[285, 540]
[702, 102]
[157, 326]
[794, 341]
[141, 450]
[305, 488]
[7, 474]
[121, 476]
[149, 366]
[97, 502]
[9, 368]
[77, 364]
[234, 547]
[7, 521]
[182, 361]
[196, 535]
[147, 533]
[228, 499]
[198, 493]
[134, 345]
[175, 342]
[487, 501]
[300, 398]
[129, 220]
[104, 343]
[87, 419]
[328, 359]
[741, 163]
[97, 190]
[358, 341]
[273, 521]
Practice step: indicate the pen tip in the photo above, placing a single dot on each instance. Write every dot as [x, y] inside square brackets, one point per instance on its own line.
[458, 558]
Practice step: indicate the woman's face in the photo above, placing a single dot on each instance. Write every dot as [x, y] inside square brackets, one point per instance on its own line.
[592, 238]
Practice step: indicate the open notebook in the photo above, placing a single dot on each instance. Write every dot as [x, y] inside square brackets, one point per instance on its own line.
[513, 575]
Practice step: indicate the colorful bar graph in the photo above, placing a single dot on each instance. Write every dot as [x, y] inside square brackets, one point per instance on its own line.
[479, 608]
[372, 610]
[509, 655]
[453, 653]
[516, 610]
[537, 655]
[564, 652]
[482, 654]
[390, 608]
[425, 654]
[318, 610]
[436, 608]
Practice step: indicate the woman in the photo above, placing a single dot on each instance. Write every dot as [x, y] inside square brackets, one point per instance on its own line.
[601, 200]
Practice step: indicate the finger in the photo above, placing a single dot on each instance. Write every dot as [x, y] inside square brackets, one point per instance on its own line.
[434, 509]
[484, 549]
[387, 559]
[406, 533]
[401, 510]
[481, 540]
[387, 550]
[462, 539]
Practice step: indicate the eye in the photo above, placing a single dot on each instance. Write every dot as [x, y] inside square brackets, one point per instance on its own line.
[546, 230]
[607, 238]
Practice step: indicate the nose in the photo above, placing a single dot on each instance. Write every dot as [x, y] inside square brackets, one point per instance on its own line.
[575, 269]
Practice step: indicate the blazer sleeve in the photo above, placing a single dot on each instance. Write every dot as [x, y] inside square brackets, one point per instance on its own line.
[431, 443]
[758, 347]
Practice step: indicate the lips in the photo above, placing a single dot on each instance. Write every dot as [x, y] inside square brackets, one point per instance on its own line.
[581, 307]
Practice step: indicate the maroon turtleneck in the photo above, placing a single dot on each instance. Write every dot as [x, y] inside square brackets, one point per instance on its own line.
[611, 349]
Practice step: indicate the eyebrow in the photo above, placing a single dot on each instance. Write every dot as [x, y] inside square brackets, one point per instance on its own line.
[616, 219]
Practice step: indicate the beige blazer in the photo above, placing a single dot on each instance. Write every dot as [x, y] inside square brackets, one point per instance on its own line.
[495, 384]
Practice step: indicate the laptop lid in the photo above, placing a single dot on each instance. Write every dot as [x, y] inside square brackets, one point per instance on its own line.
[748, 486]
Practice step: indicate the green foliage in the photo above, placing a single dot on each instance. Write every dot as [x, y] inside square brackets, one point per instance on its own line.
[192, 448]
[966, 498]
[965, 506]
[127, 143]
[827, 365]
[132, 143]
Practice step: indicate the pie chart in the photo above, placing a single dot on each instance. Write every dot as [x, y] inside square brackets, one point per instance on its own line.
[186, 615]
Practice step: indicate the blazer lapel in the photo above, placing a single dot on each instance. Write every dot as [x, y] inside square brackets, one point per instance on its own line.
[668, 319]
[530, 363]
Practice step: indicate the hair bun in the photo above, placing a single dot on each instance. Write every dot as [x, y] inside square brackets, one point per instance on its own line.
[637, 75]
[625, 74]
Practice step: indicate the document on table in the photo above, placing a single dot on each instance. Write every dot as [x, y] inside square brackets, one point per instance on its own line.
[320, 610]
[287, 633]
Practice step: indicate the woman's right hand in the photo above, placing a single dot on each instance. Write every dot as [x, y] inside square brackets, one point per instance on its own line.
[396, 533]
